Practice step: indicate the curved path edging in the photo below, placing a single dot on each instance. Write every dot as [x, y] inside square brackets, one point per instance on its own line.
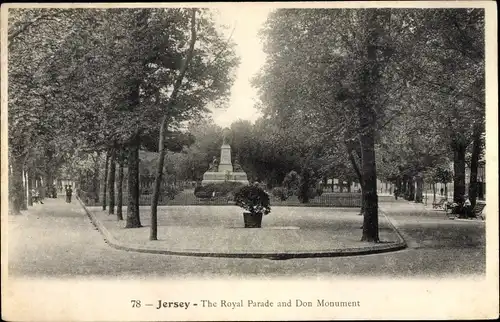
[375, 249]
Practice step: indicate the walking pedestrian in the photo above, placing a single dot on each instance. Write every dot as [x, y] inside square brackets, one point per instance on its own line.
[396, 191]
[69, 192]
[38, 195]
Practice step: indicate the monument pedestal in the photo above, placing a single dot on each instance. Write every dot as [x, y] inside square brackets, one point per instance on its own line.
[221, 177]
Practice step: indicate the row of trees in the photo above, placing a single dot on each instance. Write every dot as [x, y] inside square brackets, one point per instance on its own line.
[264, 153]
[109, 82]
[397, 92]
[360, 93]
[346, 93]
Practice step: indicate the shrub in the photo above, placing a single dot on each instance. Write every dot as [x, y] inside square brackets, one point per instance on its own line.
[253, 199]
[201, 192]
[261, 185]
[319, 190]
[291, 182]
[306, 188]
[280, 193]
[170, 191]
[227, 187]
[312, 193]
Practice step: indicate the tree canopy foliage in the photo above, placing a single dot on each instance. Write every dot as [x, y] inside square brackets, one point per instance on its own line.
[100, 77]
[356, 94]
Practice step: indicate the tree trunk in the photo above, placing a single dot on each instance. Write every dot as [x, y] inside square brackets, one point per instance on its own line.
[480, 191]
[369, 174]
[119, 206]
[49, 183]
[411, 189]
[163, 128]
[370, 199]
[406, 188]
[24, 202]
[17, 185]
[104, 199]
[111, 181]
[30, 187]
[153, 233]
[433, 192]
[476, 151]
[304, 185]
[403, 187]
[360, 177]
[95, 179]
[78, 183]
[446, 191]
[49, 175]
[459, 148]
[420, 187]
[133, 218]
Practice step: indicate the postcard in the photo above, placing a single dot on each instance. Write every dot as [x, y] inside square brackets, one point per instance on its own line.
[249, 161]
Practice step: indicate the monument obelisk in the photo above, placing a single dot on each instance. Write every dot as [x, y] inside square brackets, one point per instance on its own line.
[223, 170]
[225, 153]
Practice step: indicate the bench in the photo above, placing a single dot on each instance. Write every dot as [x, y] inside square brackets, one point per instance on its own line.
[478, 210]
[440, 204]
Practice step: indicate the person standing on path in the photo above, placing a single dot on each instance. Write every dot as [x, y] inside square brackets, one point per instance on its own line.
[69, 192]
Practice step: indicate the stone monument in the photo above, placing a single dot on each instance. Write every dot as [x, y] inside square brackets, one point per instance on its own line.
[222, 170]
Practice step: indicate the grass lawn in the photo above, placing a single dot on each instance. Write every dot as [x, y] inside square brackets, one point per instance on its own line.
[221, 229]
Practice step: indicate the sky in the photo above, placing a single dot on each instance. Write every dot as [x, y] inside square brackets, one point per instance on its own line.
[246, 21]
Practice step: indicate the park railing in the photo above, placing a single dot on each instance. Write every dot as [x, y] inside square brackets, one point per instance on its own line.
[325, 200]
[189, 199]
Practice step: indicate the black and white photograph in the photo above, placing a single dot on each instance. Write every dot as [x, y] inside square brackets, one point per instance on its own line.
[249, 161]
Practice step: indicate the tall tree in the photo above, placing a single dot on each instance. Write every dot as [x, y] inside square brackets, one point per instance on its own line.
[33, 124]
[105, 181]
[111, 180]
[119, 205]
[202, 75]
[163, 124]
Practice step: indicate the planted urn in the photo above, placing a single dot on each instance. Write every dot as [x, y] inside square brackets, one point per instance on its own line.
[255, 201]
